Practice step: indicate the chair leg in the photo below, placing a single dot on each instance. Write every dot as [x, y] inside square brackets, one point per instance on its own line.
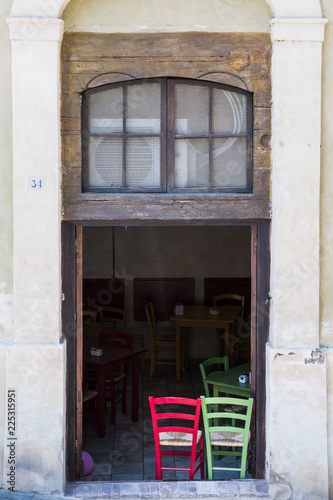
[186, 347]
[209, 461]
[158, 469]
[218, 334]
[243, 462]
[143, 367]
[113, 403]
[202, 461]
[123, 396]
[152, 362]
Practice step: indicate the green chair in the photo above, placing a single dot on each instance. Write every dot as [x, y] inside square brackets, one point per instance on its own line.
[226, 430]
[209, 367]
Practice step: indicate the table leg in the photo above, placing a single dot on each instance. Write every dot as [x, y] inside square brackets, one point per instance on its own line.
[232, 345]
[227, 341]
[178, 353]
[101, 404]
[135, 389]
[186, 346]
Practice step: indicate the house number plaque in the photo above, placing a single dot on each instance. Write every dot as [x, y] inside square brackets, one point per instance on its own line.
[36, 183]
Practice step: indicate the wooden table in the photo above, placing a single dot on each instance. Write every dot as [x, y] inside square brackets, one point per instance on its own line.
[228, 382]
[200, 316]
[113, 355]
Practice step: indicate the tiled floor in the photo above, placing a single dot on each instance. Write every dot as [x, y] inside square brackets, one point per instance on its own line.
[127, 452]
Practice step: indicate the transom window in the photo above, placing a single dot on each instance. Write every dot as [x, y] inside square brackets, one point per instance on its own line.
[167, 135]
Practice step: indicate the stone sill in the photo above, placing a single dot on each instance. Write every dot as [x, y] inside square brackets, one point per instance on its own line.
[155, 490]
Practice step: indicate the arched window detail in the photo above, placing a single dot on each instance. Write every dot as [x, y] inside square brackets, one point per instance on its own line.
[167, 135]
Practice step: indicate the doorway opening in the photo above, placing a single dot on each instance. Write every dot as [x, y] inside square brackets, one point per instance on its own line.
[208, 257]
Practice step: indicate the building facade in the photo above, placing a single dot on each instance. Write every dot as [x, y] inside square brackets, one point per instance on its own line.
[35, 200]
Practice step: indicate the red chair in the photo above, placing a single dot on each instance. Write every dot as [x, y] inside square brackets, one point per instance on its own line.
[113, 378]
[175, 424]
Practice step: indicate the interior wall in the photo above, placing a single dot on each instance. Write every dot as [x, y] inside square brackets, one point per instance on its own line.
[168, 252]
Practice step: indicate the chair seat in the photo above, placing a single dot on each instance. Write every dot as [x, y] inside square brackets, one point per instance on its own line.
[89, 394]
[177, 438]
[167, 338]
[108, 378]
[227, 438]
[136, 336]
[233, 409]
[113, 377]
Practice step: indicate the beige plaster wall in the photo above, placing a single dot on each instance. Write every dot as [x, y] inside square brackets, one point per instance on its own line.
[24, 368]
[6, 188]
[167, 15]
[6, 217]
[297, 379]
[326, 289]
[37, 374]
[326, 285]
[329, 376]
[155, 252]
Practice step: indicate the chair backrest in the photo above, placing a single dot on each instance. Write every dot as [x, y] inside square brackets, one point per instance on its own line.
[116, 337]
[150, 313]
[89, 319]
[173, 414]
[230, 299]
[113, 318]
[210, 366]
[215, 419]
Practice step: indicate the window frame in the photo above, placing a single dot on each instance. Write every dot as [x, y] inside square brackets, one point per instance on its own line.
[168, 137]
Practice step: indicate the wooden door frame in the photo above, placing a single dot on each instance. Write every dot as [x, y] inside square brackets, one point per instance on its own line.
[72, 331]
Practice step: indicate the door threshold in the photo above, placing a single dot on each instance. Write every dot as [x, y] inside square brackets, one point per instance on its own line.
[165, 490]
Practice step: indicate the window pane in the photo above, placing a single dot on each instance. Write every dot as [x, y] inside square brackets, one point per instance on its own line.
[105, 111]
[229, 162]
[191, 109]
[144, 108]
[191, 163]
[105, 162]
[143, 158]
[229, 112]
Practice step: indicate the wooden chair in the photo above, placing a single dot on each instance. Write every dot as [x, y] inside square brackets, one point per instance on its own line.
[113, 378]
[89, 319]
[163, 347]
[176, 424]
[89, 396]
[228, 299]
[226, 430]
[115, 319]
[90, 405]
